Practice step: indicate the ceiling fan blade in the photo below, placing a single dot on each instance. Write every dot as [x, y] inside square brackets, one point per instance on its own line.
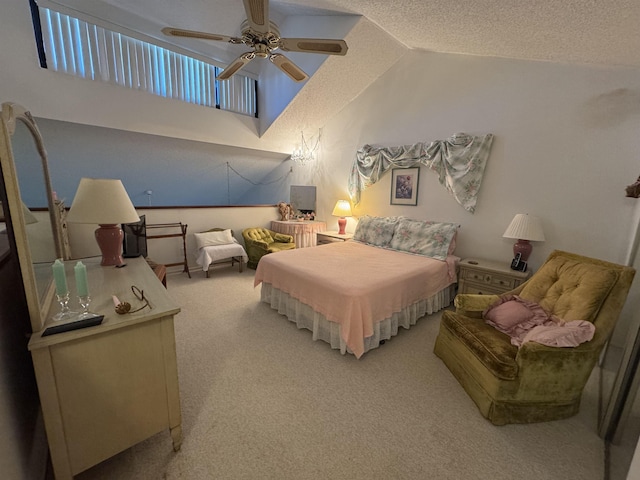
[314, 45]
[236, 65]
[287, 66]
[177, 32]
[257, 14]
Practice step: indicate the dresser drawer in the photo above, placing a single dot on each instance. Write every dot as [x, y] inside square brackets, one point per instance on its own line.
[503, 282]
[487, 277]
[480, 289]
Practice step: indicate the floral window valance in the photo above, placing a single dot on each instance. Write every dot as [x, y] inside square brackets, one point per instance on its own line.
[459, 161]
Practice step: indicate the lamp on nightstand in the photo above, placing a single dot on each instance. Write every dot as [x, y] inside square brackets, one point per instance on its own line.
[342, 210]
[526, 228]
[104, 202]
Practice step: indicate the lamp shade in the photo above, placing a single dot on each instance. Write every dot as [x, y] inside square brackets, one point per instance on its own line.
[102, 201]
[525, 227]
[342, 209]
[105, 202]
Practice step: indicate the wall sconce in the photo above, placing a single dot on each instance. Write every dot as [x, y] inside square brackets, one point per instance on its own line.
[304, 154]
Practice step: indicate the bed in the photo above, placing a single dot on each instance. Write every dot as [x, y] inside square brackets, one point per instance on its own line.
[355, 294]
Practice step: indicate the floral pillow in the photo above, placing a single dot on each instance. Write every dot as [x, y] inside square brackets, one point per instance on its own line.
[431, 239]
[376, 231]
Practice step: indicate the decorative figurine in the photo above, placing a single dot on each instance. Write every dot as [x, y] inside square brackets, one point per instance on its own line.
[285, 211]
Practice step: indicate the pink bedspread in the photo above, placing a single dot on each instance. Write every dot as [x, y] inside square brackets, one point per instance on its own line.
[355, 284]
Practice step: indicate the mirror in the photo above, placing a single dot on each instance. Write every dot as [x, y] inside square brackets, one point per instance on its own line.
[303, 198]
[31, 209]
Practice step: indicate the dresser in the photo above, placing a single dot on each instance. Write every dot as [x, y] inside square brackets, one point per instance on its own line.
[107, 387]
[333, 236]
[303, 233]
[487, 277]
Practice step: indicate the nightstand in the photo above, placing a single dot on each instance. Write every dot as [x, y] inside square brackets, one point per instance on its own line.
[488, 277]
[331, 237]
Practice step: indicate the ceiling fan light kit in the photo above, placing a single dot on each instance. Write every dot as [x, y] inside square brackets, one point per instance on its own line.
[263, 36]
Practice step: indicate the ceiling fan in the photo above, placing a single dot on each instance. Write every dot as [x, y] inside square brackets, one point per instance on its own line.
[263, 37]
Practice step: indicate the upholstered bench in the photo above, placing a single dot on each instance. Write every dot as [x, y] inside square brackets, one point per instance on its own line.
[218, 245]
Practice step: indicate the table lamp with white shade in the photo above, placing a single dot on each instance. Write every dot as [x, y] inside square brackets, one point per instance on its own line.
[525, 228]
[104, 202]
[342, 210]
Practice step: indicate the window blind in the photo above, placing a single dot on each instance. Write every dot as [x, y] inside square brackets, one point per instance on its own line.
[89, 51]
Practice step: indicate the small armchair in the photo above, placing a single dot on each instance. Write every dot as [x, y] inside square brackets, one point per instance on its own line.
[261, 241]
[534, 383]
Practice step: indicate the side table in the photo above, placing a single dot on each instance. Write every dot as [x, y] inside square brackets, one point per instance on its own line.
[487, 277]
[332, 236]
[304, 232]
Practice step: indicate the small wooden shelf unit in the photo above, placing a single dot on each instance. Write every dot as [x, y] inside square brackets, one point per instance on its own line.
[182, 233]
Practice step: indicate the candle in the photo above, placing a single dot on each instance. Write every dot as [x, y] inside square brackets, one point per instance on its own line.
[59, 278]
[81, 279]
[116, 300]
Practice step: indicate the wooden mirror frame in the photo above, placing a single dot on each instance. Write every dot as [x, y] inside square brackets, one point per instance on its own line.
[38, 302]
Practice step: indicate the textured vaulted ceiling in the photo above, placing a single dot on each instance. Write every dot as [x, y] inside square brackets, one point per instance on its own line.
[596, 32]
[575, 31]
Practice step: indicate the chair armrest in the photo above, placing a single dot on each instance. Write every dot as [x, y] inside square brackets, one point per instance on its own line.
[257, 244]
[282, 238]
[472, 305]
[565, 369]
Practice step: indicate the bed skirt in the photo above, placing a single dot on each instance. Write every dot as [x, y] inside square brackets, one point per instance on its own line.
[305, 317]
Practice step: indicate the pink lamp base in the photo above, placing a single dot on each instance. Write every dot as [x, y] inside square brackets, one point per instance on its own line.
[342, 223]
[524, 248]
[109, 238]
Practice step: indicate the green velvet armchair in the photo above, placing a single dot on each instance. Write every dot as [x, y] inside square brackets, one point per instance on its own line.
[534, 383]
[260, 241]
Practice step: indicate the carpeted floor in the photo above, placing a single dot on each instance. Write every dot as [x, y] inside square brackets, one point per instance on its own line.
[261, 400]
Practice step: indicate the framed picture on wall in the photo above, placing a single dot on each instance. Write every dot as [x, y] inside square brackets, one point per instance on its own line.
[404, 186]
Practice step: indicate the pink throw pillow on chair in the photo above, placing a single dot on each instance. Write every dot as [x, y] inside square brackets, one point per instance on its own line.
[507, 315]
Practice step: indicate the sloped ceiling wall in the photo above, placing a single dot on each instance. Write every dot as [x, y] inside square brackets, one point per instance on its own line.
[341, 79]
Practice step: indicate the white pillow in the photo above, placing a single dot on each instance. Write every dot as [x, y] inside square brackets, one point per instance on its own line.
[213, 238]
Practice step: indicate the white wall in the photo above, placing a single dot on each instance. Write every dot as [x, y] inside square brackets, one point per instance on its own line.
[566, 145]
[634, 468]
